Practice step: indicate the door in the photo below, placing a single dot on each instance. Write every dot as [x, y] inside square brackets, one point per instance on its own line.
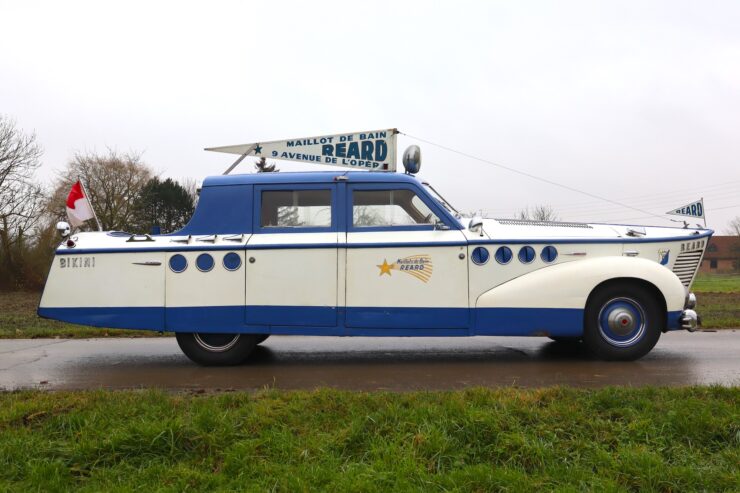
[205, 286]
[406, 261]
[292, 257]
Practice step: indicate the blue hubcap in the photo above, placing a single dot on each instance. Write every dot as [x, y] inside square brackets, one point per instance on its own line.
[622, 322]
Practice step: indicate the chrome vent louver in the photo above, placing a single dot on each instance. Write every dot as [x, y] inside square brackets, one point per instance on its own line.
[529, 222]
[686, 265]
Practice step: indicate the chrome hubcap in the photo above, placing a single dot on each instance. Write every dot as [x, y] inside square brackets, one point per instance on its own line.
[216, 343]
[622, 322]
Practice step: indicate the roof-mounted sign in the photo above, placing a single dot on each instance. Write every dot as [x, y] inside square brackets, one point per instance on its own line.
[373, 150]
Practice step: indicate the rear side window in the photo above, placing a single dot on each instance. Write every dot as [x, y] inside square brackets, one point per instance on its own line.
[295, 209]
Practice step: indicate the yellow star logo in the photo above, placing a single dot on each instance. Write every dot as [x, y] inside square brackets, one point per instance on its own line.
[385, 268]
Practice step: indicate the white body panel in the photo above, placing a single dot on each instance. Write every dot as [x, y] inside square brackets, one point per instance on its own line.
[218, 287]
[103, 280]
[368, 285]
[568, 285]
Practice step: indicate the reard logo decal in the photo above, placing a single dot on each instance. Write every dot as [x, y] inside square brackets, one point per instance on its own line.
[663, 256]
[418, 266]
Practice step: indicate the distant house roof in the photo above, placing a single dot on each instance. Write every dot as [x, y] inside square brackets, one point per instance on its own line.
[722, 248]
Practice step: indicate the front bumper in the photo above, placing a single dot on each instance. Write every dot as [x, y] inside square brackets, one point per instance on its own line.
[689, 318]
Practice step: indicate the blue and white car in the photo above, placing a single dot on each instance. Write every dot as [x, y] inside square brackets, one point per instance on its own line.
[374, 254]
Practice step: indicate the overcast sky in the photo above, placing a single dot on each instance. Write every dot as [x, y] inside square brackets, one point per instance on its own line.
[638, 102]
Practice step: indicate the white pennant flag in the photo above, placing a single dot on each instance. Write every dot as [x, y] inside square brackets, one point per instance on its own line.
[694, 209]
[373, 150]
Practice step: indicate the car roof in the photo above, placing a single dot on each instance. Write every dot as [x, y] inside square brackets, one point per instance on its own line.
[308, 177]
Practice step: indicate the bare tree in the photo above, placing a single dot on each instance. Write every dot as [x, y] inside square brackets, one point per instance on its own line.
[734, 227]
[20, 195]
[734, 230]
[538, 213]
[114, 182]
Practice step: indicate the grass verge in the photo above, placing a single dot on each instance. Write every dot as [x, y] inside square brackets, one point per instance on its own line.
[647, 439]
[18, 320]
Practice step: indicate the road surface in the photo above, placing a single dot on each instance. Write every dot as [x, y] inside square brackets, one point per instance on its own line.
[396, 364]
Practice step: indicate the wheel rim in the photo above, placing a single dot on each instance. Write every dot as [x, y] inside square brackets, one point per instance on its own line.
[216, 343]
[622, 322]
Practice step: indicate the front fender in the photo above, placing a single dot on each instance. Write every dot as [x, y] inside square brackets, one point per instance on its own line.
[568, 285]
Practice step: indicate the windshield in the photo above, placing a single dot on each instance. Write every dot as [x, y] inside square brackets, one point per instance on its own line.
[441, 199]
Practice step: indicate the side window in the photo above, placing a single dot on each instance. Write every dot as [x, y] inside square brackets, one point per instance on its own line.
[389, 208]
[295, 209]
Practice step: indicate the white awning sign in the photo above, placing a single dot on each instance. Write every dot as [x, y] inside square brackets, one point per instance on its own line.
[373, 150]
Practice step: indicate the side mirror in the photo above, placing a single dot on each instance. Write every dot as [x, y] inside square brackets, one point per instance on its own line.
[440, 226]
[476, 225]
[63, 229]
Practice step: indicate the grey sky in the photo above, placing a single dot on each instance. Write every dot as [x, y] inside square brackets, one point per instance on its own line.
[635, 101]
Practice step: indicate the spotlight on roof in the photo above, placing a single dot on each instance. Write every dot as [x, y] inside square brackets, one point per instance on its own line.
[412, 159]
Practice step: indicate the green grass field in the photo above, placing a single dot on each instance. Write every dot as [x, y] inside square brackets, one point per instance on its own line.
[717, 283]
[718, 300]
[613, 439]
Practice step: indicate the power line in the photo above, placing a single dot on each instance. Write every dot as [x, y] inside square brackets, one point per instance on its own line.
[534, 177]
[656, 202]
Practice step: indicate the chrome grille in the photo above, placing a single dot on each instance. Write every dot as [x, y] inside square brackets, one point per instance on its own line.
[686, 265]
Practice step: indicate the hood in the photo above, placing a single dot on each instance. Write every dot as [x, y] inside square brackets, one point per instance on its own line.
[517, 229]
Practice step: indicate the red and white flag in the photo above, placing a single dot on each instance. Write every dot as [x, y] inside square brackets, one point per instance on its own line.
[78, 207]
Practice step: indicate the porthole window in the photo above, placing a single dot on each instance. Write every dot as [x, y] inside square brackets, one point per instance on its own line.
[480, 256]
[178, 263]
[549, 254]
[204, 262]
[232, 261]
[526, 254]
[503, 255]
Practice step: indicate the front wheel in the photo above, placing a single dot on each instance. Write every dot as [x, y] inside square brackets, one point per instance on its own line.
[623, 321]
[216, 349]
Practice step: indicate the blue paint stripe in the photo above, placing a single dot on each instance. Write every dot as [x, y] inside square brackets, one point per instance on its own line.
[565, 322]
[539, 241]
[369, 321]
[404, 317]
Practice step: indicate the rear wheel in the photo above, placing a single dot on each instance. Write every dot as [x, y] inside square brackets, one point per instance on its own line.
[216, 349]
[623, 321]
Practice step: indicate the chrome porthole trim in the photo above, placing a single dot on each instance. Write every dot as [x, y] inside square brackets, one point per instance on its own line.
[526, 255]
[204, 262]
[503, 255]
[232, 261]
[178, 263]
[480, 256]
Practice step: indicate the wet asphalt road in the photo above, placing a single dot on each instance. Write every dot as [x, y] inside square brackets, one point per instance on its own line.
[397, 364]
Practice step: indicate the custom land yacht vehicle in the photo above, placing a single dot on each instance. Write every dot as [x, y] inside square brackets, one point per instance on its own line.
[352, 253]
